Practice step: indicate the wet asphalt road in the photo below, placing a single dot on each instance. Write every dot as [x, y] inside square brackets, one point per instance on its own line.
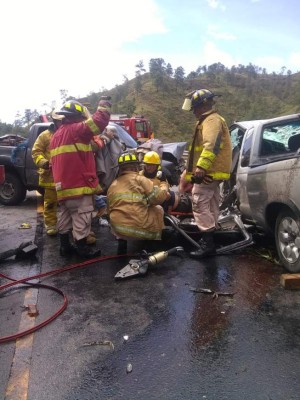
[181, 344]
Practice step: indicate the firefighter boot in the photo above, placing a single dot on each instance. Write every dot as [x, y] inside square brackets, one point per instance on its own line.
[84, 250]
[122, 246]
[66, 248]
[207, 244]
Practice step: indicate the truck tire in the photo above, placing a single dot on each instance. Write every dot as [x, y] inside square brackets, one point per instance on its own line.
[12, 192]
[287, 237]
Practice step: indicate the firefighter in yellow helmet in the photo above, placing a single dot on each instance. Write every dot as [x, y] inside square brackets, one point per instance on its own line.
[41, 157]
[152, 170]
[133, 202]
[208, 164]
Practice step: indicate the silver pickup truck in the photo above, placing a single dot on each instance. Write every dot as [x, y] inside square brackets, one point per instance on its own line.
[267, 177]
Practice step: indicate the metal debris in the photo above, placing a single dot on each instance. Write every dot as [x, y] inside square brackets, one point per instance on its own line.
[24, 225]
[101, 343]
[214, 294]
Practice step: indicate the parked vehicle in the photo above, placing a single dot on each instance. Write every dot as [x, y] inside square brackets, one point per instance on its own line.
[138, 127]
[21, 172]
[266, 180]
[2, 174]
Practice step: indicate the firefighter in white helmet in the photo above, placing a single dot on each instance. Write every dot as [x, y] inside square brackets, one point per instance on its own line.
[208, 164]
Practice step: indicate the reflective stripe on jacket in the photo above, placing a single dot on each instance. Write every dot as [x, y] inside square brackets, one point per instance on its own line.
[211, 147]
[72, 158]
[41, 155]
[132, 201]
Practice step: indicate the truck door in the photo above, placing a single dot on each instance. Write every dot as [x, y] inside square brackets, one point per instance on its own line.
[242, 173]
[141, 130]
[274, 172]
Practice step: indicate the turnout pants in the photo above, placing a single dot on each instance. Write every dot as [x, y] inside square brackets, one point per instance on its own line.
[50, 208]
[76, 215]
[205, 202]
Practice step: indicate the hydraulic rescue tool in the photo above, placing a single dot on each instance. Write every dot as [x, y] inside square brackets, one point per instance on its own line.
[140, 267]
[246, 241]
[25, 250]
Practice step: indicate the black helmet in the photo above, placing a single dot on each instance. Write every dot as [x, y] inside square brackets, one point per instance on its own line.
[197, 97]
[72, 108]
[127, 158]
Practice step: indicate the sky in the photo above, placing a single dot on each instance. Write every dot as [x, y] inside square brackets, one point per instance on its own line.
[87, 46]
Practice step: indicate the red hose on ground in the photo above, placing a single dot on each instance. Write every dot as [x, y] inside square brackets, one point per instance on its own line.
[14, 282]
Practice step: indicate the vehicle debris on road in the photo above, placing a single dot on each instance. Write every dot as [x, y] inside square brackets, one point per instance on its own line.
[214, 294]
[100, 343]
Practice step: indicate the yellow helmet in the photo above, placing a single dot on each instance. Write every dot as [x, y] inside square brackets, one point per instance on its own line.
[151, 157]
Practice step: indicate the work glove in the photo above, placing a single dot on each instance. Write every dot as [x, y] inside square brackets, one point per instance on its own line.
[161, 176]
[206, 179]
[46, 165]
[105, 104]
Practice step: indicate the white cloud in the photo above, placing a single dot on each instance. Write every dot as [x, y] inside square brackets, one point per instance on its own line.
[212, 54]
[216, 4]
[214, 32]
[271, 63]
[77, 46]
[294, 62]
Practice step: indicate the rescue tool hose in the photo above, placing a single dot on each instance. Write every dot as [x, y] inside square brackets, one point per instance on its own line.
[14, 282]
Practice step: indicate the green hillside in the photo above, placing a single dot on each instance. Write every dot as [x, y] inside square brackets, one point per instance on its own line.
[244, 97]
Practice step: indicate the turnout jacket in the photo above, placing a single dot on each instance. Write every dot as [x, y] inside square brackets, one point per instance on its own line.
[41, 155]
[132, 201]
[211, 147]
[72, 157]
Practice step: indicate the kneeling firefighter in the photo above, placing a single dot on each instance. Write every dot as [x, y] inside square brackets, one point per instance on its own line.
[134, 202]
[152, 170]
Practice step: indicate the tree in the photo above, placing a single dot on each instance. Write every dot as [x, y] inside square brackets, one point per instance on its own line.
[157, 66]
[157, 69]
[179, 76]
[140, 68]
[169, 70]
[63, 95]
[138, 84]
[192, 75]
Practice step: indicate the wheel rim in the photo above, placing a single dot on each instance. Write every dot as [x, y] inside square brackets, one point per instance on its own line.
[7, 191]
[289, 239]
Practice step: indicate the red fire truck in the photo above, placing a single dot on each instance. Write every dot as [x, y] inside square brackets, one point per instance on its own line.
[138, 127]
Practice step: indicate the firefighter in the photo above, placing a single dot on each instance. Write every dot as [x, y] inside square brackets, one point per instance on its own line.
[208, 164]
[177, 202]
[74, 172]
[133, 202]
[152, 170]
[41, 157]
